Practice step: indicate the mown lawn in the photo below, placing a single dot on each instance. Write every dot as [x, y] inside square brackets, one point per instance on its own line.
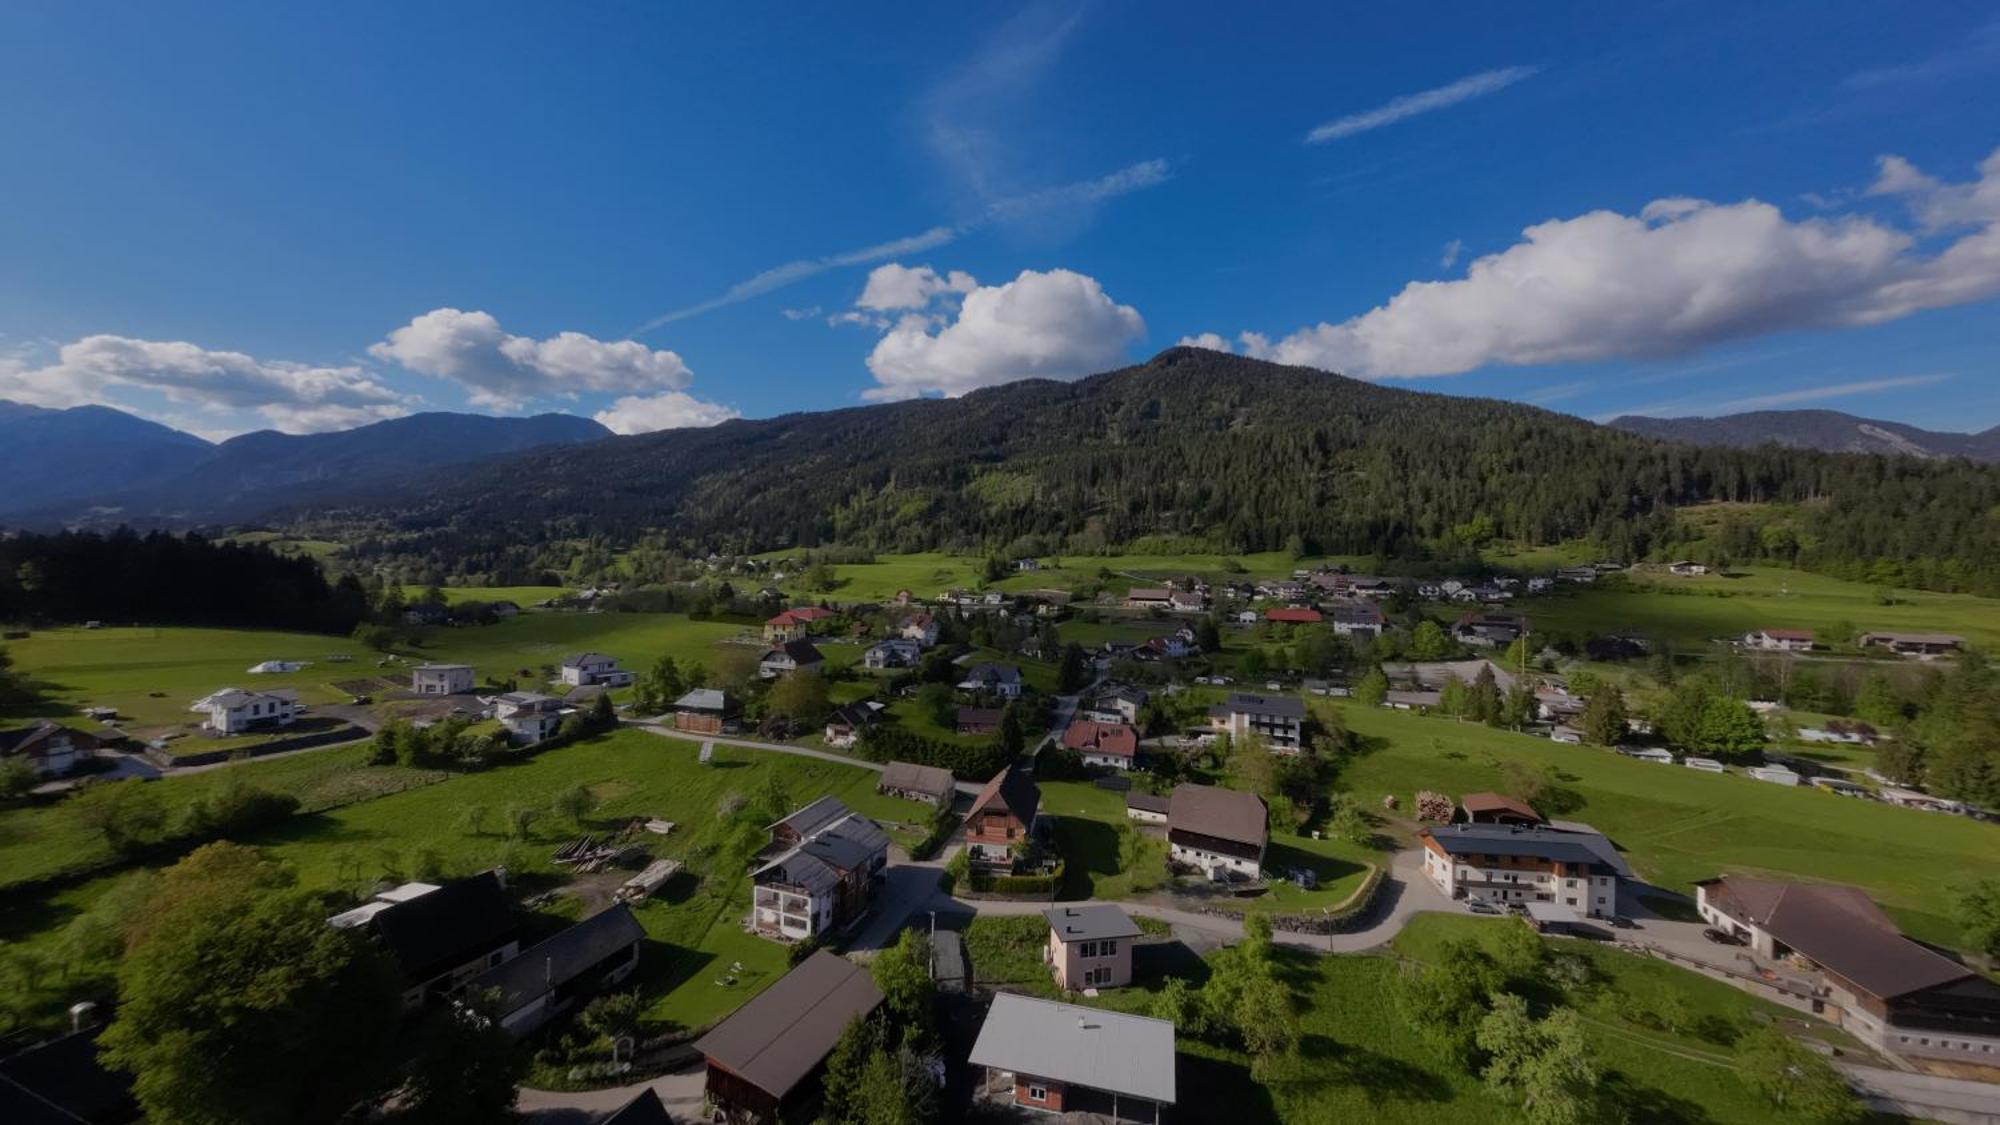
[689, 975]
[523, 596]
[531, 641]
[1678, 825]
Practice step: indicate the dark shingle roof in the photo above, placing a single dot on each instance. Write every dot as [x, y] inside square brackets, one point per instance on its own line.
[441, 930]
[1223, 814]
[1281, 705]
[1557, 845]
[63, 1081]
[918, 779]
[1090, 923]
[1841, 929]
[783, 1033]
[562, 958]
[645, 1109]
[1011, 791]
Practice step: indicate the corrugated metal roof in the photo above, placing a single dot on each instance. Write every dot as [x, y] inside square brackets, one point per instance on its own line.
[777, 1039]
[1110, 1051]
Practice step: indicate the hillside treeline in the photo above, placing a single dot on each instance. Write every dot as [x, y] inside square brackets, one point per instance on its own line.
[164, 579]
[1197, 446]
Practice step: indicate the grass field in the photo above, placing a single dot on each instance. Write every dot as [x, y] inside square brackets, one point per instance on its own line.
[523, 596]
[696, 927]
[1678, 825]
[532, 640]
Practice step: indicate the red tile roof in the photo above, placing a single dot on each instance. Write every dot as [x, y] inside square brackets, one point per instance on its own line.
[1086, 736]
[1293, 616]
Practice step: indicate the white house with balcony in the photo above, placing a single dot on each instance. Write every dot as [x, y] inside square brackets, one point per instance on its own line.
[1568, 864]
[235, 711]
[594, 669]
[441, 679]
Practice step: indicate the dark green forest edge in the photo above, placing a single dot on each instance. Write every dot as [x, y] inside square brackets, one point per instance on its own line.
[1205, 450]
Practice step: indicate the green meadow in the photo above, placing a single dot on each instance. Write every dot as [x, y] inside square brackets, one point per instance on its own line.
[1677, 825]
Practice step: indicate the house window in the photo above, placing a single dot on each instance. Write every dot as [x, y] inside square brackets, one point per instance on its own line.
[1106, 948]
[1037, 1093]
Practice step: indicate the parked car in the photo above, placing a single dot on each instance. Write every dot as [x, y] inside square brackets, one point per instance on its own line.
[1481, 906]
[1721, 937]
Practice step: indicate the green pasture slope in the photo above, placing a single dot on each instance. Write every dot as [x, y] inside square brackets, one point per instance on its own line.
[1678, 825]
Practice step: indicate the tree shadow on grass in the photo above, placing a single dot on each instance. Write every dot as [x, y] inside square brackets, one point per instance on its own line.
[1644, 1105]
[1153, 960]
[1379, 1077]
[1215, 1090]
[1090, 851]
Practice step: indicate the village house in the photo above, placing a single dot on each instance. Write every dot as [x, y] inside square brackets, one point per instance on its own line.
[1278, 720]
[843, 727]
[594, 669]
[1540, 585]
[1003, 680]
[1578, 574]
[530, 717]
[1292, 615]
[702, 711]
[1569, 864]
[558, 974]
[1921, 645]
[1220, 832]
[1149, 598]
[1082, 1063]
[1002, 818]
[919, 627]
[1357, 619]
[1147, 808]
[794, 624]
[765, 1061]
[819, 872]
[1112, 745]
[1186, 601]
[1779, 640]
[1119, 705]
[1090, 946]
[1027, 566]
[440, 936]
[1885, 989]
[930, 784]
[787, 657]
[50, 749]
[896, 652]
[1171, 646]
[976, 721]
[1489, 630]
[441, 679]
[1686, 569]
[235, 711]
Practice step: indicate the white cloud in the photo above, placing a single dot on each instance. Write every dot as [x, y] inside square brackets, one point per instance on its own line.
[295, 397]
[672, 410]
[1452, 250]
[1940, 206]
[506, 371]
[896, 286]
[1682, 275]
[1834, 390]
[1144, 174]
[1410, 105]
[806, 313]
[1208, 340]
[1057, 325]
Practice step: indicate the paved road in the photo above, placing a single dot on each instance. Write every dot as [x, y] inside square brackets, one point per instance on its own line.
[1927, 1097]
[682, 1091]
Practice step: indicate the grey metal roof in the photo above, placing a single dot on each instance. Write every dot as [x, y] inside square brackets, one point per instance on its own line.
[562, 958]
[798, 868]
[1091, 1047]
[1090, 923]
[918, 779]
[810, 818]
[702, 699]
[1222, 814]
[1555, 844]
[785, 1031]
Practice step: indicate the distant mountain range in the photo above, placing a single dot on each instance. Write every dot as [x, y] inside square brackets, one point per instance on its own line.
[55, 463]
[1828, 430]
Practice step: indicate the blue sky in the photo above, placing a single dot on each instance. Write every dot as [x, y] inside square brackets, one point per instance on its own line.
[231, 216]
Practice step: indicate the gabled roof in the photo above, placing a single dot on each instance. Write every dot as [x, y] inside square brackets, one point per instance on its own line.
[1561, 842]
[1010, 791]
[644, 1109]
[1293, 615]
[1090, 923]
[804, 615]
[546, 967]
[801, 652]
[28, 739]
[786, 1031]
[1474, 803]
[443, 929]
[797, 868]
[918, 779]
[810, 818]
[1838, 927]
[1088, 736]
[1222, 814]
[583, 658]
[1148, 802]
[1788, 634]
[1281, 705]
[990, 673]
[1090, 1047]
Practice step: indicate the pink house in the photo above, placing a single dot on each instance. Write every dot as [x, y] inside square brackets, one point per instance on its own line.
[1090, 946]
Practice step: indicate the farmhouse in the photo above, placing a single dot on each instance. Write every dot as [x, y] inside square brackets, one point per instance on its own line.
[789, 656]
[1147, 808]
[1291, 615]
[1103, 744]
[1278, 720]
[1076, 1061]
[1779, 640]
[1357, 619]
[1569, 864]
[977, 720]
[1220, 832]
[1914, 644]
[1884, 988]
[594, 669]
[794, 624]
[439, 936]
[764, 1062]
[1003, 815]
[441, 679]
[1003, 680]
[919, 627]
[919, 783]
[843, 727]
[574, 965]
[702, 711]
[234, 711]
[1149, 598]
[50, 749]
[821, 870]
[1492, 808]
[1090, 946]
[1119, 705]
[1489, 630]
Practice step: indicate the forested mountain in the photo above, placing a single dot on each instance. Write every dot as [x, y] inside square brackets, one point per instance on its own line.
[162, 473]
[1828, 430]
[51, 456]
[1233, 453]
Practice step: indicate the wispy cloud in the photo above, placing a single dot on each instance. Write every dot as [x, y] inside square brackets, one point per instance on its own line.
[1972, 53]
[1693, 407]
[1410, 105]
[1133, 178]
[1559, 392]
[1452, 250]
